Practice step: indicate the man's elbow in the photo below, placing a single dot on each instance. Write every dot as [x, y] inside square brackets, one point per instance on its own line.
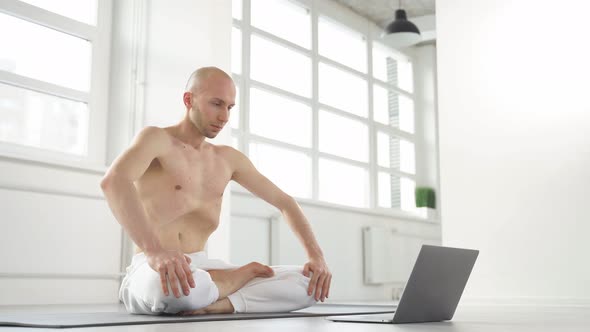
[108, 182]
[287, 203]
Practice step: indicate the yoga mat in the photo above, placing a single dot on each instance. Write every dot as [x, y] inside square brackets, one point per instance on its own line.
[93, 319]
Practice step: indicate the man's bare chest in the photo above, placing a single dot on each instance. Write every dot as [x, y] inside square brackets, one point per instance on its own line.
[184, 182]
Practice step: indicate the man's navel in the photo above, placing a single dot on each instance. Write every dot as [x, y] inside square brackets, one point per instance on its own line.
[178, 187]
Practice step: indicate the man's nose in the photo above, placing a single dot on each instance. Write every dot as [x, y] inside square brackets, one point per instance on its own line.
[224, 115]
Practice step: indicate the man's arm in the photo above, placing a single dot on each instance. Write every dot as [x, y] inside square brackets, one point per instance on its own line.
[248, 176]
[123, 200]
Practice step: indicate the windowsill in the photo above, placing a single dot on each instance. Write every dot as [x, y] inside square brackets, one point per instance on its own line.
[380, 212]
[75, 165]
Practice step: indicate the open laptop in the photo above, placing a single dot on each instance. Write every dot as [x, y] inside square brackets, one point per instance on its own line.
[433, 291]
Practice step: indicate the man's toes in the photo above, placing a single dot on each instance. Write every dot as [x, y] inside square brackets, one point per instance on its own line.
[269, 271]
[261, 270]
[265, 271]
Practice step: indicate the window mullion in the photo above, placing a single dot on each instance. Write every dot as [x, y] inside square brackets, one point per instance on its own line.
[43, 87]
[99, 75]
[394, 131]
[393, 87]
[245, 93]
[278, 91]
[373, 191]
[49, 19]
[315, 101]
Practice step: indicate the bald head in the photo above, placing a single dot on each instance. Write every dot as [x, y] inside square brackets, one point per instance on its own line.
[209, 95]
[200, 77]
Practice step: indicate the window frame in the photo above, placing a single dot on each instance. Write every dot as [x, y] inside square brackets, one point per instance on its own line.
[96, 97]
[243, 80]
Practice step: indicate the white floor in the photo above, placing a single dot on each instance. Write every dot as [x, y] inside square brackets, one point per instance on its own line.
[467, 318]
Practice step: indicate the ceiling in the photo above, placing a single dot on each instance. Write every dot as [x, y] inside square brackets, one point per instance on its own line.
[383, 11]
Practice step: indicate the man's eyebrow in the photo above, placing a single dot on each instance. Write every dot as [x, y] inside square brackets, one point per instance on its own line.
[218, 99]
[222, 101]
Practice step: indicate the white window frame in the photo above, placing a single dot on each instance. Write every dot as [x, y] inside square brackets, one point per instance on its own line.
[244, 82]
[96, 97]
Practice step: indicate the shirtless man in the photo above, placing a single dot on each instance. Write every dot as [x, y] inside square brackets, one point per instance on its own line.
[166, 191]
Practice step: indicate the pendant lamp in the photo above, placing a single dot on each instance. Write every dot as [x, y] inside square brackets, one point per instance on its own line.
[401, 33]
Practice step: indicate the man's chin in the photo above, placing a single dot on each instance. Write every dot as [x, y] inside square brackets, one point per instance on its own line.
[211, 135]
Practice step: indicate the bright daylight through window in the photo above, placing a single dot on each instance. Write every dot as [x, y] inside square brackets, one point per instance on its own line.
[46, 100]
[308, 112]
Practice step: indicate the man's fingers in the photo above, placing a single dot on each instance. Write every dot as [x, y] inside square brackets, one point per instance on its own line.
[163, 281]
[189, 275]
[182, 279]
[312, 283]
[329, 283]
[173, 280]
[320, 287]
[325, 286]
[188, 259]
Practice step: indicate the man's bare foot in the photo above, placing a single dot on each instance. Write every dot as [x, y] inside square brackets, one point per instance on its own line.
[229, 281]
[222, 306]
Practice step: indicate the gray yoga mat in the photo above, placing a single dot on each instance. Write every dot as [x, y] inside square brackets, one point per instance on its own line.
[92, 319]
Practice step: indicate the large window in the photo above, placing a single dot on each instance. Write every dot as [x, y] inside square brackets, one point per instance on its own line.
[323, 121]
[52, 84]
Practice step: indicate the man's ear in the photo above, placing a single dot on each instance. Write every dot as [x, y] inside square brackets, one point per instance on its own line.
[186, 98]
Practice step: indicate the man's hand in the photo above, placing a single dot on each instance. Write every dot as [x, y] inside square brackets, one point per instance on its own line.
[320, 279]
[175, 265]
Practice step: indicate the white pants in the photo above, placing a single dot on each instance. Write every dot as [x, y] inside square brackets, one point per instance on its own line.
[141, 289]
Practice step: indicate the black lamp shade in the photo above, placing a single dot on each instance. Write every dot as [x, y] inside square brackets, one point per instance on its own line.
[401, 24]
[401, 32]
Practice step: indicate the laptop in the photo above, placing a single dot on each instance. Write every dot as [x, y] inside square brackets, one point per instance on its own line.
[433, 291]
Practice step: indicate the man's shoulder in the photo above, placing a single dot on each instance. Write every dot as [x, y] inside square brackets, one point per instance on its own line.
[153, 133]
[232, 155]
[227, 150]
[153, 136]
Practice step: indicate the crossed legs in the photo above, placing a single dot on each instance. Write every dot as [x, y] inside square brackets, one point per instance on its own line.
[222, 289]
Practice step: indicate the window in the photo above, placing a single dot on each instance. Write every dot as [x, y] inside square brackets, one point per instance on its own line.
[310, 132]
[44, 121]
[280, 118]
[353, 192]
[288, 20]
[20, 54]
[344, 137]
[234, 119]
[272, 161]
[280, 66]
[236, 50]
[342, 90]
[80, 10]
[396, 153]
[333, 35]
[51, 51]
[392, 67]
[396, 192]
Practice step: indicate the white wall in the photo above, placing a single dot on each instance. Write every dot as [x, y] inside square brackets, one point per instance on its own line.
[515, 145]
[55, 238]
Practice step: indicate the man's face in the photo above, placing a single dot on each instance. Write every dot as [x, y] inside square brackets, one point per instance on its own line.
[211, 105]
